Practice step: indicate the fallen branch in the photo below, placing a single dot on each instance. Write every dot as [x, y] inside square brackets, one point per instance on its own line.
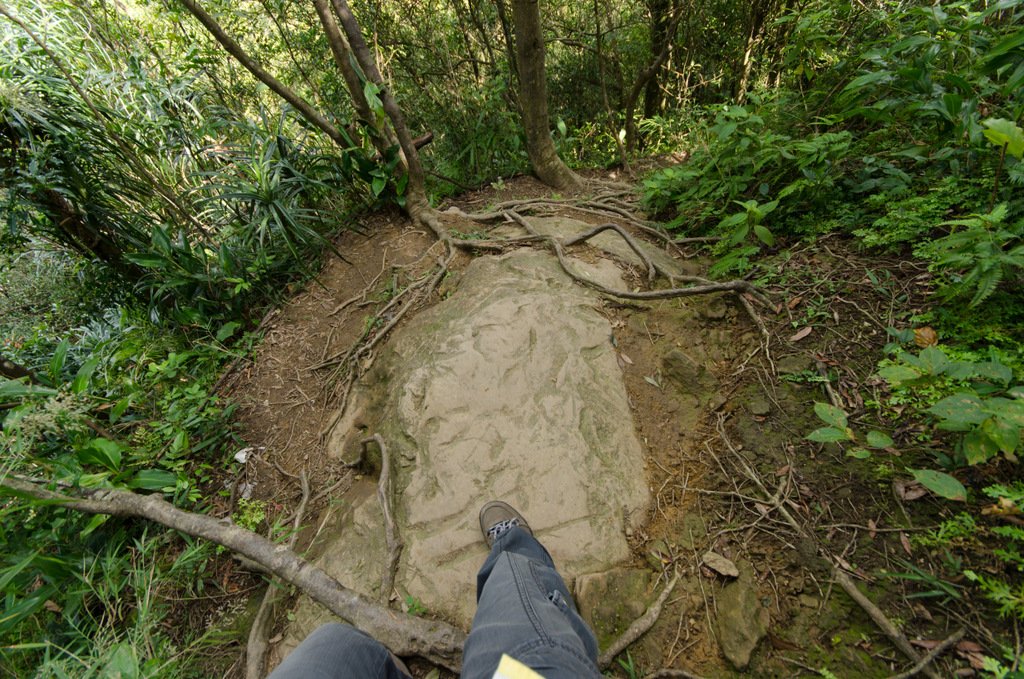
[259, 633]
[954, 638]
[391, 536]
[405, 635]
[637, 629]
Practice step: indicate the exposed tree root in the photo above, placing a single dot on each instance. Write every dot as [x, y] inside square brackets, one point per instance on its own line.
[405, 635]
[898, 639]
[932, 655]
[391, 535]
[350, 364]
[259, 633]
[637, 629]
[672, 674]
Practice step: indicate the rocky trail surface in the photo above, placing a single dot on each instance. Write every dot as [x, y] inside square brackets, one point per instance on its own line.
[636, 436]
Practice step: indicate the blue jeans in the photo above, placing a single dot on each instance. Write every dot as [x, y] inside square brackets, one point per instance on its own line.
[523, 610]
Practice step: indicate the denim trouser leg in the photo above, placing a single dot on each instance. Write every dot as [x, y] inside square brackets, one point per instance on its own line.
[336, 651]
[525, 610]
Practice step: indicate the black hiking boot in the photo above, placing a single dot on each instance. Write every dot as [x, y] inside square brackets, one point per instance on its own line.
[496, 517]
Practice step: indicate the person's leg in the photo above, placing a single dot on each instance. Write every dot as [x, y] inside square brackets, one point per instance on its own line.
[336, 651]
[525, 610]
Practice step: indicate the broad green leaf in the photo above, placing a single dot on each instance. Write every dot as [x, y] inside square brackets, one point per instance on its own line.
[57, 362]
[123, 663]
[1011, 410]
[94, 523]
[227, 330]
[898, 374]
[933, 360]
[1003, 434]
[153, 479]
[764, 235]
[978, 447]
[859, 453]
[877, 439]
[829, 435]
[84, 374]
[962, 407]
[15, 390]
[1001, 131]
[829, 414]
[103, 452]
[118, 410]
[941, 484]
[378, 185]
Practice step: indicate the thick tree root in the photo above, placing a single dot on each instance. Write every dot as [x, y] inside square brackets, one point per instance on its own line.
[637, 629]
[405, 635]
[391, 535]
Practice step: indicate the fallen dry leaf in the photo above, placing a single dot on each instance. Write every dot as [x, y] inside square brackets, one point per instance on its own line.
[792, 304]
[625, 359]
[905, 541]
[872, 526]
[909, 490]
[801, 333]
[925, 337]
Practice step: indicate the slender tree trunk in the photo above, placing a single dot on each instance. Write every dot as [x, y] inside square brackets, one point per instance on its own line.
[662, 35]
[533, 98]
[415, 192]
[602, 75]
[342, 52]
[304, 108]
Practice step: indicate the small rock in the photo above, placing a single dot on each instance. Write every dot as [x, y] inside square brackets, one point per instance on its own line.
[720, 565]
[742, 620]
[715, 309]
[808, 601]
[682, 370]
[759, 406]
[794, 363]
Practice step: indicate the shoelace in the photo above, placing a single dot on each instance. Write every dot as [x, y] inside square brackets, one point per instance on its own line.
[500, 528]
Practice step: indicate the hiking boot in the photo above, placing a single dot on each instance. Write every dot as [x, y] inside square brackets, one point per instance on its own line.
[496, 518]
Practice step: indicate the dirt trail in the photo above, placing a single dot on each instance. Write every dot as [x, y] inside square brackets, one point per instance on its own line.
[695, 375]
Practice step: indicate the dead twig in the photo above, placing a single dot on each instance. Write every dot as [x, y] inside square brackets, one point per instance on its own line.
[637, 629]
[932, 655]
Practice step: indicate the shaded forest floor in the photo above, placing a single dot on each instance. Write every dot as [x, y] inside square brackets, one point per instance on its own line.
[721, 414]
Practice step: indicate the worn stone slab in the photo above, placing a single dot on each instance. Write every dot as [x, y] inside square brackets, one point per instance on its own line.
[509, 389]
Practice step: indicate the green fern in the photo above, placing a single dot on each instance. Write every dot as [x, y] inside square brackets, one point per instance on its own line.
[977, 258]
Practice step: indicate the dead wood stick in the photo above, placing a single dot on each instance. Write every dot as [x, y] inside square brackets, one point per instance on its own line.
[898, 639]
[391, 535]
[954, 638]
[637, 629]
[405, 635]
[259, 634]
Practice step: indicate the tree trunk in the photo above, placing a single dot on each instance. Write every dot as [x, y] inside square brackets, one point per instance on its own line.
[533, 98]
[304, 108]
[416, 201]
[663, 30]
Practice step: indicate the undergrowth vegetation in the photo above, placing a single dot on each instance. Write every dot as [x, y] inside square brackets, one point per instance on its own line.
[906, 140]
[157, 199]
